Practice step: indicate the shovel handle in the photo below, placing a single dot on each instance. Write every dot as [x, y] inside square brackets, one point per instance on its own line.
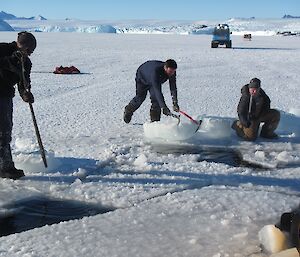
[189, 117]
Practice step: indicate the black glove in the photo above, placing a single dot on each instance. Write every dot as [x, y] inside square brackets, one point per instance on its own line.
[27, 97]
[175, 107]
[166, 111]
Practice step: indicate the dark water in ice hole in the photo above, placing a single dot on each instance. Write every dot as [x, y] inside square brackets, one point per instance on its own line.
[36, 212]
[229, 156]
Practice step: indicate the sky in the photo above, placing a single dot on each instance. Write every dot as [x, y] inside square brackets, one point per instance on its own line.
[154, 9]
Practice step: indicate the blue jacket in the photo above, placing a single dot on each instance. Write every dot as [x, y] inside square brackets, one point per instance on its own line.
[151, 75]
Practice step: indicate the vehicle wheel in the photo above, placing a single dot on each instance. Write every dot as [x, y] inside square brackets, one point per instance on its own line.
[214, 45]
[228, 45]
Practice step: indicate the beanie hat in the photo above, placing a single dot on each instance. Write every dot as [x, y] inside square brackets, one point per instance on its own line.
[254, 83]
[27, 40]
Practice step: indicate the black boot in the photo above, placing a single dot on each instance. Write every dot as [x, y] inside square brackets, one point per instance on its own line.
[12, 173]
[155, 115]
[272, 119]
[128, 112]
[268, 135]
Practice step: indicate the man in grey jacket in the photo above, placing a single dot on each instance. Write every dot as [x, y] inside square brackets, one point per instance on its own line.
[149, 77]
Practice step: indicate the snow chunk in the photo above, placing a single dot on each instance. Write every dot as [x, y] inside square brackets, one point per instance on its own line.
[288, 157]
[260, 158]
[216, 127]
[272, 239]
[141, 161]
[295, 111]
[80, 173]
[169, 129]
[27, 157]
[25, 145]
[260, 155]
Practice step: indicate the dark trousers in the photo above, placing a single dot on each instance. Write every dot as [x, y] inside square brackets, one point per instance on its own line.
[141, 94]
[6, 124]
[270, 119]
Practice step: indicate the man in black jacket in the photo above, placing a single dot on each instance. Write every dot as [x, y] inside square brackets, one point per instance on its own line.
[149, 77]
[253, 109]
[13, 61]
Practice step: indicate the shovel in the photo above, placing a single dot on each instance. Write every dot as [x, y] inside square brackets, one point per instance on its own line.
[198, 123]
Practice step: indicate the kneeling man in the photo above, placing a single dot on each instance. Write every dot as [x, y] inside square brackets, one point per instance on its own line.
[253, 109]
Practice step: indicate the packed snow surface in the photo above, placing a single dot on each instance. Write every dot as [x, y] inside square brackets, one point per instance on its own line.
[167, 204]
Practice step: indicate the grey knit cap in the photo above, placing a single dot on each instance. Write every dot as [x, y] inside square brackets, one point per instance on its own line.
[254, 83]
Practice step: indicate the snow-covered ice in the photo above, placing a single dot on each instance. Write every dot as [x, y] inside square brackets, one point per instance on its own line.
[238, 26]
[172, 129]
[166, 204]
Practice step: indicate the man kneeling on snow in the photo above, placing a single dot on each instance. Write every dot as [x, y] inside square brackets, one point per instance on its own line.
[254, 108]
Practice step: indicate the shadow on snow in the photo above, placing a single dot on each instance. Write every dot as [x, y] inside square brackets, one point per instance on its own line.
[263, 48]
